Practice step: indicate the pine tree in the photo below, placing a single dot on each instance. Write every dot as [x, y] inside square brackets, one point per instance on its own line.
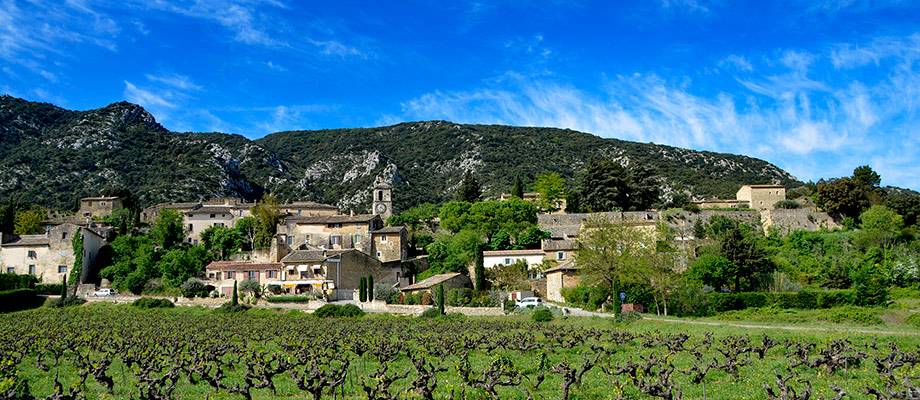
[370, 288]
[518, 190]
[469, 190]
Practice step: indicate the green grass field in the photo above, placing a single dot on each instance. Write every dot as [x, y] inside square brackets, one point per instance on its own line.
[216, 356]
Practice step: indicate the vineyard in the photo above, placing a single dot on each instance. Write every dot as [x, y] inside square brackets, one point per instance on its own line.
[119, 352]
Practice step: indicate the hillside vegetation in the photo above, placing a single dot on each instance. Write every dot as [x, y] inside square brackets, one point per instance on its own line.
[54, 156]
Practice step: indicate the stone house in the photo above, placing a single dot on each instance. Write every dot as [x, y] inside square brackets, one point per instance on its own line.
[222, 274]
[718, 203]
[390, 243]
[308, 208]
[330, 231]
[451, 281]
[490, 259]
[200, 218]
[337, 271]
[92, 207]
[761, 197]
[48, 256]
[564, 275]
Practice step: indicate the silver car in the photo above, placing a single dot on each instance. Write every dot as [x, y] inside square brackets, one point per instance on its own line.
[104, 292]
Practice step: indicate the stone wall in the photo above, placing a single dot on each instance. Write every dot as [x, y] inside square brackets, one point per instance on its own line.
[787, 221]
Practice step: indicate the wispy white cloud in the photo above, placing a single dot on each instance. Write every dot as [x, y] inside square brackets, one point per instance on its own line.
[800, 114]
[174, 80]
[737, 62]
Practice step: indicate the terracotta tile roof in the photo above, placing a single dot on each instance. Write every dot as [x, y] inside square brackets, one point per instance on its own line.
[566, 266]
[390, 229]
[431, 281]
[211, 210]
[512, 252]
[310, 255]
[330, 219]
[241, 266]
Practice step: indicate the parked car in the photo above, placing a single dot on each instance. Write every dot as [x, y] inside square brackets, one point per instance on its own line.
[529, 301]
[104, 292]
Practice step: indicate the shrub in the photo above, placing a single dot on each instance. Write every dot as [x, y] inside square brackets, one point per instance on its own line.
[337, 311]
[509, 305]
[287, 299]
[628, 317]
[17, 299]
[430, 313]
[66, 302]
[542, 314]
[691, 207]
[149, 302]
[854, 314]
[251, 286]
[13, 281]
[193, 287]
[459, 297]
[787, 205]
[48, 288]
[384, 292]
[230, 308]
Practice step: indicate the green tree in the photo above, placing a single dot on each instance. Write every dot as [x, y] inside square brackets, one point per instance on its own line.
[168, 229]
[235, 301]
[29, 222]
[250, 286]
[181, 263]
[711, 270]
[518, 189]
[609, 252]
[221, 240]
[906, 205]
[605, 185]
[454, 253]
[370, 287]
[246, 227]
[267, 214]
[470, 190]
[513, 276]
[362, 289]
[416, 218]
[455, 216]
[871, 282]
[77, 246]
[740, 246]
[441, 298]
[842, 197]
[882, 219]
[865, 176]
[551, 188]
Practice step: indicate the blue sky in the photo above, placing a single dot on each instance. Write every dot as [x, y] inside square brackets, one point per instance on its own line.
[815, 87]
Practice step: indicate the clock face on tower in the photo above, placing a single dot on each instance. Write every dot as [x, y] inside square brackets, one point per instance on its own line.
[381, 208]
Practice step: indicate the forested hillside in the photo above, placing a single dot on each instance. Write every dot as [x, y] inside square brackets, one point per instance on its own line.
[52, 156]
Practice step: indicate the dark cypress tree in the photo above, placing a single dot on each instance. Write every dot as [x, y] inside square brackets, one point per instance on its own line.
[469, 190]
[362, 289]
[63, 290]
[370, 288]
[518, 190]
[480, 271]
[236, 297]
[441, 299]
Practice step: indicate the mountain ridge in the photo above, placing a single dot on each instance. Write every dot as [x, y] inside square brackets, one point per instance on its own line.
[55, 156]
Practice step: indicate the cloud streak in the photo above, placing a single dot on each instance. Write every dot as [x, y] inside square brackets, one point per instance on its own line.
[802, 114]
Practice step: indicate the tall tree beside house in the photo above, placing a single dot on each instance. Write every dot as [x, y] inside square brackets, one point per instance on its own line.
[222, 241]
[609, 253]
[235, 301]
[267, 215]
[518, 189]
[605, 185]
[29, 222]
[168, 229]
[739, 245]
[470, 191]
[551, 188]
[63, 290]
[246, 227]
[441, 298]
[362, 289]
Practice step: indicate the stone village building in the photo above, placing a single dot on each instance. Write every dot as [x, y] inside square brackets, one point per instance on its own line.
[97, 207]
[50, 256]
[327, 253]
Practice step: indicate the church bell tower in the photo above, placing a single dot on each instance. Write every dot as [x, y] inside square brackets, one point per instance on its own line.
[383, 203]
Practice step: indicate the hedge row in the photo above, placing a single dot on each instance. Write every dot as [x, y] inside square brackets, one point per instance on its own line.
[287, 299]
[13, 281]
[806, 299]
[48, 288]
[337, 311]
[17, 299]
